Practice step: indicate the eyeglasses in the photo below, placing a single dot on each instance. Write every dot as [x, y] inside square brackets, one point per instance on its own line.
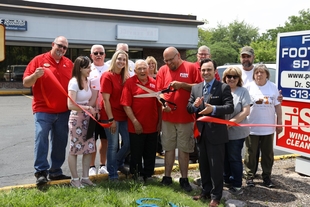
[96, 53]
[141, 69]
[232, 76]
[203, 54]
[171, 59]
[61, 46]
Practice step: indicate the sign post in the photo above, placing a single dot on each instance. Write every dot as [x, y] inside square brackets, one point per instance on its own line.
[293, 75]
[2, 42]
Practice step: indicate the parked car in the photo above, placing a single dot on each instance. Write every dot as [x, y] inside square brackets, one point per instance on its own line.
[271, 67]
[14, 72]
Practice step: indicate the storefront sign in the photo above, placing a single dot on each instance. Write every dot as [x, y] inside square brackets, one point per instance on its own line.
[294, 65]
[295, 139]
[293, 59]
[136, 33]
[14, 24]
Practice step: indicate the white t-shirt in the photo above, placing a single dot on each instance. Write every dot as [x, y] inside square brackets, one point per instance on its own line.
[247, 77]
[264, 99]
[82, 96]
[95, 75]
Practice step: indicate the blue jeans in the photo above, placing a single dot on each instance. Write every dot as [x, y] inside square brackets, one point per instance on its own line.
[57, 126]
[233, 167]
[115, 157]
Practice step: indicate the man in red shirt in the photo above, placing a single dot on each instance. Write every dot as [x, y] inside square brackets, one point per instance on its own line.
[50, 109]
[204, 53]
[177, 125]
[143, 121]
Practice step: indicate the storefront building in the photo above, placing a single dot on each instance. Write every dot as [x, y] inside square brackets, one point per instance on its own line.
[31, 27]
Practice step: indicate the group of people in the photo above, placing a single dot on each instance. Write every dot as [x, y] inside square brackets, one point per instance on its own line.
[104, 90]
[244, 96]
[109, 91]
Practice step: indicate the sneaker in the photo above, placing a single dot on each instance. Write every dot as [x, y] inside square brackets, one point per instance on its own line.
[103, 170]
[41, 178]
[250, 183]
[185, 184]
[235, 190]
[92, 171]
[166, 180]
[268, 183]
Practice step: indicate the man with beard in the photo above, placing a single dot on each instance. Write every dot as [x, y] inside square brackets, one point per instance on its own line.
[247, 58]
[49, 105]
[177, 124]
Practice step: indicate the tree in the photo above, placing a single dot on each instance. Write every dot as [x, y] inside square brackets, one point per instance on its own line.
[266, 45]
[223, 52]
[232, 37]
[265, 51]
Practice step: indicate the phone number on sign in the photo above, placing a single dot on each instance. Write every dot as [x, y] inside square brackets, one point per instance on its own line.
[300, 94]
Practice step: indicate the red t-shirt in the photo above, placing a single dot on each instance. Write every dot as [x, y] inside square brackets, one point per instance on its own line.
[144, 109]
[187, 73]
[217, 76]
[112, 84]
[46, 97]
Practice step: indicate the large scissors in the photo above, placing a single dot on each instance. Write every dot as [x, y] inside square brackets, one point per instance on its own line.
[152, 93]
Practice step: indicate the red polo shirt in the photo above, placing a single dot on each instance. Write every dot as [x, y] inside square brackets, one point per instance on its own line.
[46, 97]
[144, 109]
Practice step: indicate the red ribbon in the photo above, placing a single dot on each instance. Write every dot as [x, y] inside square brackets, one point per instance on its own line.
[230, 123]
[51, 75]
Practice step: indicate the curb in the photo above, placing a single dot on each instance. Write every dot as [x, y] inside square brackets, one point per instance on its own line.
[4, 92]
[157, 171]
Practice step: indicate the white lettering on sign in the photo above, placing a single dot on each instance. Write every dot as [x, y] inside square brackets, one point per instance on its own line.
[292, 116]
[295, 52]
[136, 33]
[305, 39]
[297, 143]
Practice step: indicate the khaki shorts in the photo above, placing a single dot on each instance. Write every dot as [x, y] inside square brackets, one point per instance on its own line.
[179, 136]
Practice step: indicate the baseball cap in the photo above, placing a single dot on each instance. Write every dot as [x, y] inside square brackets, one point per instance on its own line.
[247, 50]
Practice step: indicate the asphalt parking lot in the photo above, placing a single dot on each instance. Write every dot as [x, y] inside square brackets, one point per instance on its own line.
[17, 138]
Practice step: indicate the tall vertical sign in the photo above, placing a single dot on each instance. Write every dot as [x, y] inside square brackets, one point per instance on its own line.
[293, 75]
[2, 42]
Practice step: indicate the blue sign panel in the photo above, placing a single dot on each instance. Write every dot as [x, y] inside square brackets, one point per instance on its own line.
[293, 59]
[13, 24]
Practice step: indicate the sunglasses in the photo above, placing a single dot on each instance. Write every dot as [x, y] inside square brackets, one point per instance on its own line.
[61, 46]
[232, 76]
[96, 53]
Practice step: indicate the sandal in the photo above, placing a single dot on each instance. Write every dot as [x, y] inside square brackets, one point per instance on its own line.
[85, 181]
[75, 182]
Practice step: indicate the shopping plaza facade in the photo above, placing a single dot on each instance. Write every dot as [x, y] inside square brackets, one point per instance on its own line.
[31, 27]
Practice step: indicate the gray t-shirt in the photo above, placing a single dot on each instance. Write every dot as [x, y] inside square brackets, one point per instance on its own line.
[241, 98]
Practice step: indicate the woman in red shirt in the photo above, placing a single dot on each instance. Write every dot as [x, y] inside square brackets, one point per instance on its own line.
[112, 83]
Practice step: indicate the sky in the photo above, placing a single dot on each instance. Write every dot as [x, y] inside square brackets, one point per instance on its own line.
[263, 14]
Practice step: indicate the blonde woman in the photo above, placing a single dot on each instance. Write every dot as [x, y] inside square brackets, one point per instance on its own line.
[111, 87]
[151, 61]
[233, 167]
